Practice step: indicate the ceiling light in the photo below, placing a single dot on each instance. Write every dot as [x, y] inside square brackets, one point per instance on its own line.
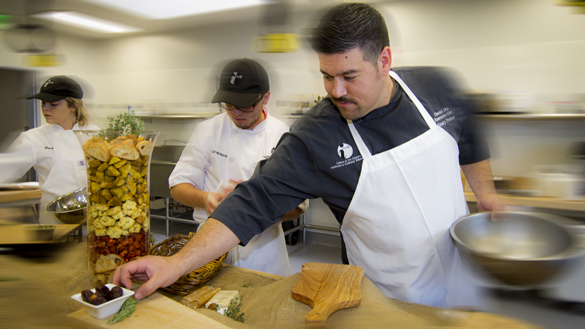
[156, 9]
[85, 21]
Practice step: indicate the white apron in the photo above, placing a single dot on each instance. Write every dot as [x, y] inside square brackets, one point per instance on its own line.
[397, 224]
[266, 251]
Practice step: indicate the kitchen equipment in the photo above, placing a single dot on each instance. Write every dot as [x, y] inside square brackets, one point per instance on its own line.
[70, 208]
[327, 288]
[521, 249]
[106, 309]
[164, 159]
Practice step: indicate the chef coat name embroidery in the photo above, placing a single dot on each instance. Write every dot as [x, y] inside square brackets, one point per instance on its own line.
[218, 153]
[444, 116]
[48, 148]
[81, 163]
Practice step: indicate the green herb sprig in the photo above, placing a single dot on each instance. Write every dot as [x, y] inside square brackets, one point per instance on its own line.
[233, 310]
[125, 311]
[123, 125]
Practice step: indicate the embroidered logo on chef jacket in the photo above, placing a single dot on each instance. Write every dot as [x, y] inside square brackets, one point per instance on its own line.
[219, 153]
[443, 116]
[48, 147]
[345, 152]
[235, 76]
[81, 163]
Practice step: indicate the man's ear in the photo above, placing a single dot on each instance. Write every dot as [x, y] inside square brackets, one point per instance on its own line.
[266, 97]
[385, 61]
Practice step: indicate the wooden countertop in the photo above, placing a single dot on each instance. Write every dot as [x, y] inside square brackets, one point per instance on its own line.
[156, 311]
[19, 235]
[29, 196]
[538, 202]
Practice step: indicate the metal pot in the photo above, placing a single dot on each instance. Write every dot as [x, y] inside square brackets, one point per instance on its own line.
[521, 249]
[70, 208]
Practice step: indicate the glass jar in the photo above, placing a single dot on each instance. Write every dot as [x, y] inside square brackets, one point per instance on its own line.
[118, 196]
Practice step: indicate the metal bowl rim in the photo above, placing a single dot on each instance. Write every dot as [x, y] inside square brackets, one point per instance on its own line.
[82, 190]
[563, 255]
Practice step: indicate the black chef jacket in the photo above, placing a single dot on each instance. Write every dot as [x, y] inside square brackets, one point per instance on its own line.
[311, 161]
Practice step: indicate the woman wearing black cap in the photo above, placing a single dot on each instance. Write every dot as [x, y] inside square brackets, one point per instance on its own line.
[52, 149]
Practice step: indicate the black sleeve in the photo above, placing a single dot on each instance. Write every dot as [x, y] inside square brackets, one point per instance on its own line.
[473, 146]
[471, 141]
[279, 184]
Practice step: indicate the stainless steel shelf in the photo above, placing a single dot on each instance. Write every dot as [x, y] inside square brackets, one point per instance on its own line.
[179, 116]
[532, 116]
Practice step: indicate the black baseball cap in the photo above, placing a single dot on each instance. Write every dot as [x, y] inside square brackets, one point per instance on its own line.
[58, 88]
[241, 83]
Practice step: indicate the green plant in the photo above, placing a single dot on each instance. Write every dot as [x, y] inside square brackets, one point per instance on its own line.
[123, 125]
[125, 311]
[233, 310]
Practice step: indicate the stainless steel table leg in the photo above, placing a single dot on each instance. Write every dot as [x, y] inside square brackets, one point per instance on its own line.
[167, 215]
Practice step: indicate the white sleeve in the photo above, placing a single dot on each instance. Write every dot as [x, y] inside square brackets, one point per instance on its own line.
[194, 161]
[304, 206]
[19, 158]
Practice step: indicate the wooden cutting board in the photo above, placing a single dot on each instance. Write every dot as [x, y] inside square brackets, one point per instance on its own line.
[327, 288]
[156, 311]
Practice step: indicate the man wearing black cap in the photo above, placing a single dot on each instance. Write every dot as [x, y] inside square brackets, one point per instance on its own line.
[52, 149]
[224, 150]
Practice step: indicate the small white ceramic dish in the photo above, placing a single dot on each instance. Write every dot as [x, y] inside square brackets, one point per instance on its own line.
[106, 309]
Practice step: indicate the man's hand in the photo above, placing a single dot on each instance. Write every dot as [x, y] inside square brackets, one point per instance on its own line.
[211, 241]
[213, 199]
[479, 176]
[490, 202]
[154, 271]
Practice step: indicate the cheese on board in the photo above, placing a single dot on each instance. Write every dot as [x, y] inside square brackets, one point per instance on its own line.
[221, 300]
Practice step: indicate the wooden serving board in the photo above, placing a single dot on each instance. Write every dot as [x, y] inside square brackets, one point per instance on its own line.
[156, 311]
[327, 288]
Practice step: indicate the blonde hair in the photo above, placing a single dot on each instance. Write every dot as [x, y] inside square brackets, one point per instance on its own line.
[80, 110]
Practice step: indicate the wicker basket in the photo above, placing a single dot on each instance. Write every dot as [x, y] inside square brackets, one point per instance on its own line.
[187, 283]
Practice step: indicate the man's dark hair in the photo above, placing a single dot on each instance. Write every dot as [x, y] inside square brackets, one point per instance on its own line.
[350, 25]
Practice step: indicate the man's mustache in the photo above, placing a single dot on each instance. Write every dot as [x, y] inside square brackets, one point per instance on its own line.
[342, 99]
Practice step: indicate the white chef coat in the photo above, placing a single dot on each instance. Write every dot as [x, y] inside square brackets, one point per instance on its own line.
[397, 224]
[219, 151]
[57, 157]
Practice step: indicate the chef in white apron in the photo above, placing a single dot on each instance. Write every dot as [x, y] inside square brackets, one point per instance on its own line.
[227, 148]
[52, 149]
[397, 224]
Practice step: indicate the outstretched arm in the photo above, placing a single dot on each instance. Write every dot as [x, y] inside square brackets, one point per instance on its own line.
[211, 241]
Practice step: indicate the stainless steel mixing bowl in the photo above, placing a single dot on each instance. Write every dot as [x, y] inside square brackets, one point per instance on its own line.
[521, 249]
[70, 208]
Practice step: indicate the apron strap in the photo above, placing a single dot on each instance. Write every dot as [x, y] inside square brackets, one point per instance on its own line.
[425, 114]
[364, 151]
